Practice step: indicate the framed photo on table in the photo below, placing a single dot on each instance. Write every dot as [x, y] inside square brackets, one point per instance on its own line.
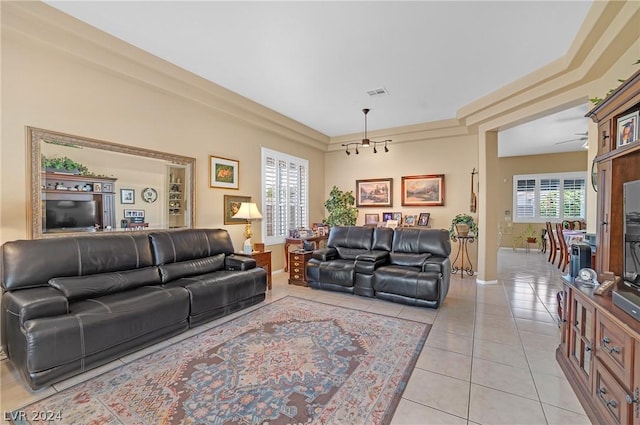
[374, 193]
[628, 128]
[409, 220]
[425, 190]
[371, 218]
[224, 172]
[423, 219]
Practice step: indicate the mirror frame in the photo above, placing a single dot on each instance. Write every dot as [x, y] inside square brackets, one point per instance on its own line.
[35, 136]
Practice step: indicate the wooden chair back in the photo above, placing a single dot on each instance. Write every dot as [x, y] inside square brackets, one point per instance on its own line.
[564, 252]
[553, 243]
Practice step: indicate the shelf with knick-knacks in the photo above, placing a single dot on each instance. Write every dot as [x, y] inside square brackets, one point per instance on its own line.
[176, 197]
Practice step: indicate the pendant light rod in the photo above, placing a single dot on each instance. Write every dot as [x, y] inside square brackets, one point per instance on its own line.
[365, 141]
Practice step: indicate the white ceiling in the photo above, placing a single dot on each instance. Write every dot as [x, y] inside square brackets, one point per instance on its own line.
[314, 61]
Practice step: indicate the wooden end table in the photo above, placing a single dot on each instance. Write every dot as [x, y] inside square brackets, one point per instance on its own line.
[298, 271]
[263, 259]
[297, 241]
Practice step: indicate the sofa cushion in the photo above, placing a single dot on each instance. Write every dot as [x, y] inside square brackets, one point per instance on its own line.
[173, 271]
[93, 326]
[356, 237]
[96, 285]
[31, 263]
[338, 272]
[222, 288]
[409, 282]
[189, 244]
[415, 240]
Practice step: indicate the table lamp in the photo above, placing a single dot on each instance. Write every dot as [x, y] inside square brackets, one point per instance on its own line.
[249, 211]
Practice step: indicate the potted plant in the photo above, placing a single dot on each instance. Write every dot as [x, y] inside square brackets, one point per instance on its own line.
[63, 165]
[341, 209]
[530, 234]
[462, 224]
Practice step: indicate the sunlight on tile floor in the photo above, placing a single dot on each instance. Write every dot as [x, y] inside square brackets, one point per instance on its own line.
[489, 358]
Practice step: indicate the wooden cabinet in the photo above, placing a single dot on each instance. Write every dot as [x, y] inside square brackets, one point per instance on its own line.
[71, 187]
[581, 335]
[616, 165]
[298, 267]
[599, 350]
[601, 356]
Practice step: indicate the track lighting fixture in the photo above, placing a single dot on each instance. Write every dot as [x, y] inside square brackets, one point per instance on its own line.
[366, 142]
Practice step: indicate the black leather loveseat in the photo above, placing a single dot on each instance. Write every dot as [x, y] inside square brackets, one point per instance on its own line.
[70, 304]
[407, 265]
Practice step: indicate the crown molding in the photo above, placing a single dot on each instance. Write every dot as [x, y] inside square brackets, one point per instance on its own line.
[54, 30]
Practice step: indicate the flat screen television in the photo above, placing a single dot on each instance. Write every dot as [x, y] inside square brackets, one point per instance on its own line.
[631, 259]
[68, 216]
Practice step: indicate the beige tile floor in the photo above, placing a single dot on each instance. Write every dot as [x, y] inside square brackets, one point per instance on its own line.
[489, 358]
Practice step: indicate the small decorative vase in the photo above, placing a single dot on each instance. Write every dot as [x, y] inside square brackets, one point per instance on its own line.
[462, 229]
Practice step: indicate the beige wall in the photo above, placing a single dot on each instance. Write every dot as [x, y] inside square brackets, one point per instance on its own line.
[532, 164]
[51, 81]
[59, 74]
[455, 157]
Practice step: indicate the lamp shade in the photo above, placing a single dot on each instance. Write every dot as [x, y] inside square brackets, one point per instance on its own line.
[248, 211]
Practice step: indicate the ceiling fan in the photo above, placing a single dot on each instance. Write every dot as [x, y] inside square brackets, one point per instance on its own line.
[584, 137]
[366, 142]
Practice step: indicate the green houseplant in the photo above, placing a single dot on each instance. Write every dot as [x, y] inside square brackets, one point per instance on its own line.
[341, 209]
[63, 164]
[463, 219]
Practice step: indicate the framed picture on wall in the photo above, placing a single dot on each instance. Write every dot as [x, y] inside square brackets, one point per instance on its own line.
[224, 172]
[425, 190]
[231, 206]
[374, 193]
[127, 196]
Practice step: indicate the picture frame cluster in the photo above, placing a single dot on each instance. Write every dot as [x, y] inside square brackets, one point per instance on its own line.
[417, 191]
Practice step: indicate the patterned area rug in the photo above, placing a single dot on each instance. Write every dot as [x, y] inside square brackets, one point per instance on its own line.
[293, 361]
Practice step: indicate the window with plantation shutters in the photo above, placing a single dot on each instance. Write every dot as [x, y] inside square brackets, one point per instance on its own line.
[549, 197]
[285, 189]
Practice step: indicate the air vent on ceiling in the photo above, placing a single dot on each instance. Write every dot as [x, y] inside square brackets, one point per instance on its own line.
[378, 92]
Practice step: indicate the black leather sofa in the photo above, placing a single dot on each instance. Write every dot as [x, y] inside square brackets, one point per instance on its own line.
[408, 265]
[70, 304]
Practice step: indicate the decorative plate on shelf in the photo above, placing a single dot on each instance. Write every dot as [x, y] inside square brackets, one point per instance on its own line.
[149, 195]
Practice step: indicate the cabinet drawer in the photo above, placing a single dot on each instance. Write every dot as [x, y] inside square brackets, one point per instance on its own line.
[611, 397]
[614, 348]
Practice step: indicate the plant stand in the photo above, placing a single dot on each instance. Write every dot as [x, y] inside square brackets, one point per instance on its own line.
[463, 253]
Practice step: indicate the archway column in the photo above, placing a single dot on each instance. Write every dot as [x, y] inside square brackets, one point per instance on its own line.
[488, 205]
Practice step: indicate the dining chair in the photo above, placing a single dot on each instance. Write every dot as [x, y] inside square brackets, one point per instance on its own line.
[564, 251]
[553, 243]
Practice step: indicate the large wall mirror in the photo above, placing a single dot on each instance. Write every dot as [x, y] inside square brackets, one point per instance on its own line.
[81, 185]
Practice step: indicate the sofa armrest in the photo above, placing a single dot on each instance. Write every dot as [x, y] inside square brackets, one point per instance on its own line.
[373, 256]
[238, 262]
[34, 303]
[368, 262]
[325, 254]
